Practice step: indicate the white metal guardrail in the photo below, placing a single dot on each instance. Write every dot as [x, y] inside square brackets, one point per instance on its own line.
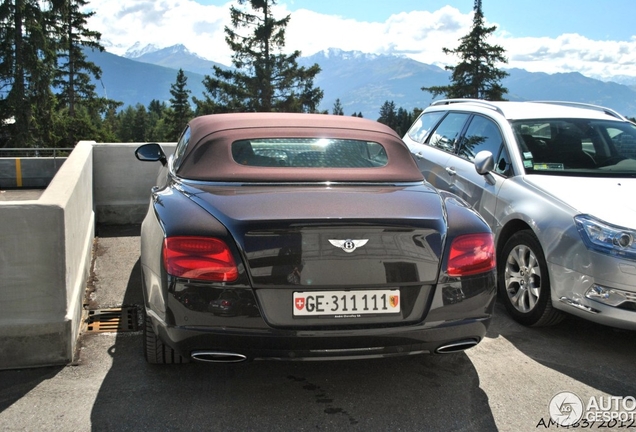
[34, 152]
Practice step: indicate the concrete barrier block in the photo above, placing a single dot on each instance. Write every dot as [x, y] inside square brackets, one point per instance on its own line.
[122, 183]
[46, 244]
[36, 344]
[45, 248]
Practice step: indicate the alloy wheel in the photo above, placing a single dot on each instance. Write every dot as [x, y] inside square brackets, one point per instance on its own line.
[522, 278]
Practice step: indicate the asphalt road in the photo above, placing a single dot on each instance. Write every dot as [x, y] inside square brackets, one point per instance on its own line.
[505, 383]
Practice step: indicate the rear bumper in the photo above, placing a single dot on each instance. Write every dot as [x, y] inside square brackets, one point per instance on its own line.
[277, 344]
[450, 316]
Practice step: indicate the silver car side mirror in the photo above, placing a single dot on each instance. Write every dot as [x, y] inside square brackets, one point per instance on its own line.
[484, 162]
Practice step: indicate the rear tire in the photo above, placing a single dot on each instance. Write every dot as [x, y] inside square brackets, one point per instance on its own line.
[524, 283]
[155, 351]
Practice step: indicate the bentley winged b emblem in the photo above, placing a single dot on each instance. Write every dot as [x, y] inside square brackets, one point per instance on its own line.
[348, 245]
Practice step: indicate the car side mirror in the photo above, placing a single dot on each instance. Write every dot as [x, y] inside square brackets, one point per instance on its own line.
[484, 162]
[151, 153]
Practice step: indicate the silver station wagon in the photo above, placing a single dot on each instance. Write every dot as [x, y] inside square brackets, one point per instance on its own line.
[556, 182]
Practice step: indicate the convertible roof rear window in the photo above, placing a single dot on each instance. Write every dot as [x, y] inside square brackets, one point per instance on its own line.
[309, 152]
[294, 147]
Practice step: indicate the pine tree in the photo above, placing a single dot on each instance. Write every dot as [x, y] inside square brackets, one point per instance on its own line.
[337, 108]
[27, 50]
[110, 124]
[388, 114]
[75, 92]
[476, 75]
[263, 78]
[125, 124]
[140, 124]
[398, 119]
[181, 111]
[73, 76]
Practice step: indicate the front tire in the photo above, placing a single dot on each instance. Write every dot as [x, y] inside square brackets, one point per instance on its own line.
[155, 351]
[524, 283]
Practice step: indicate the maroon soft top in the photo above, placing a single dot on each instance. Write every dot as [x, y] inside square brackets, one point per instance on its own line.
[208, 156]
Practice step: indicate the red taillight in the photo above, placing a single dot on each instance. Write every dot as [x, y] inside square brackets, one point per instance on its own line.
[471, 254]
[200, 258]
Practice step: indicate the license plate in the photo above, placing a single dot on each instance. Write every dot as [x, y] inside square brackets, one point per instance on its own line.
[346, 303]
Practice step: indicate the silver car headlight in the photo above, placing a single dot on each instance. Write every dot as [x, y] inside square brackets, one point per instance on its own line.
[605, 238]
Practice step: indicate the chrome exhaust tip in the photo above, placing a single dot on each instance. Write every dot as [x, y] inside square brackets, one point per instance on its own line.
[458, 346]
[217, 357]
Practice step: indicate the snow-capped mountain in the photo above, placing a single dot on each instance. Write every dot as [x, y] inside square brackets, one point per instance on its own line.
[137, 50]
[362, 82]
[345, 55]
[175, 57]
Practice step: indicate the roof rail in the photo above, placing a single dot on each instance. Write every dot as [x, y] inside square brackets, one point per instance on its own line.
[481, 102]
[602, 109]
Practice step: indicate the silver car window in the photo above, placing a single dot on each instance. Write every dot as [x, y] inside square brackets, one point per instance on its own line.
[503, 165]
[482, 134]
[445, 136]
[423, 125]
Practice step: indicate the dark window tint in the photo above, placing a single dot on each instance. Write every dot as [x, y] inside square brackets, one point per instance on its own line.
[447, 133]
[181, 147]
[422, 126]
[503, 165]
[482, 134]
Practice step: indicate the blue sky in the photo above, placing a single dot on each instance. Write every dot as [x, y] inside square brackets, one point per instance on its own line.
[594, 37]
[596, 19]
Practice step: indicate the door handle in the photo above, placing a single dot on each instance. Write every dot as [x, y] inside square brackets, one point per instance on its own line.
[419, 155]
[451, 171]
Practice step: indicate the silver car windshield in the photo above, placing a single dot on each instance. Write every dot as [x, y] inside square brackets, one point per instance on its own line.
[578, 147]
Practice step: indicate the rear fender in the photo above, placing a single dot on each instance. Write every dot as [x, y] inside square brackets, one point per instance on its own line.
[171, 213]
[457, 295]
[461, 217]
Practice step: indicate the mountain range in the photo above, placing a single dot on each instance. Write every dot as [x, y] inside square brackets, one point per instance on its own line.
[362, 82]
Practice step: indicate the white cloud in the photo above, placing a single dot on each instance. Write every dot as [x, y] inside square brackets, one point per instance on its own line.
[572, 53]
[162, 23]
[420, 35]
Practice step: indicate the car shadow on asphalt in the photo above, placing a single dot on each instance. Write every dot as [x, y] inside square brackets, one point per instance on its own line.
[430, 392]
[14, 384]
[108, 231]
[600, 356]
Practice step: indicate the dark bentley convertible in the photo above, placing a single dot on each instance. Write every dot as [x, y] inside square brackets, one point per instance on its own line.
[306, 236]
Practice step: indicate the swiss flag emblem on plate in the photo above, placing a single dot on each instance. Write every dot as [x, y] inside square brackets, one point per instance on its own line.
[300, 303]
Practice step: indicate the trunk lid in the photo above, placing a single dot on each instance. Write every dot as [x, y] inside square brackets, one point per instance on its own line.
[332, 236]
[336, 256]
